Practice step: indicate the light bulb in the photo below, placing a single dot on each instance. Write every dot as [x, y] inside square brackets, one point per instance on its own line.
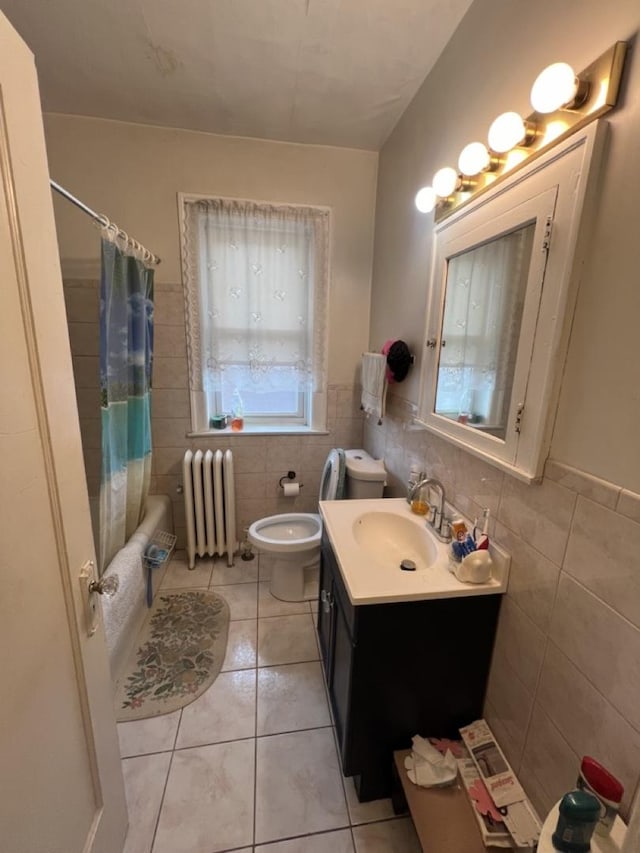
[426, 199]
[507, 131]
[445, 181]
[554, 87]
[474, 158]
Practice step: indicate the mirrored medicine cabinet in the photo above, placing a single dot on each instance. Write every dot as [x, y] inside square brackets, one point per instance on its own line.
[504, 279]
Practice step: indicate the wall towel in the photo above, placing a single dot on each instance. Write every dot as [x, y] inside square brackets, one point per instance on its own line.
[374, 384]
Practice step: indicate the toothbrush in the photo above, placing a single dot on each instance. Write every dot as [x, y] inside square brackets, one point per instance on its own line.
[483, 541]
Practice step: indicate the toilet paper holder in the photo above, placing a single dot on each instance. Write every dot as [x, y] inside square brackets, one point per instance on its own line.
[290, 475]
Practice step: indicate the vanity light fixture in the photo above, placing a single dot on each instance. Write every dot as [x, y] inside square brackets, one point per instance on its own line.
[557, 87]
[426, 199]
[564, 102]
[509, 130]
[445, 181]
[474, 158]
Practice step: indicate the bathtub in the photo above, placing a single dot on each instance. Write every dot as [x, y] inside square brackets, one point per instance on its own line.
[124, 613]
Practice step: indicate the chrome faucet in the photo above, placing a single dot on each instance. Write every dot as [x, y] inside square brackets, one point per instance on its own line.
[435, 520]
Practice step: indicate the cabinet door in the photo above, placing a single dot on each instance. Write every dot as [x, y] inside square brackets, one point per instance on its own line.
[325, 614]
[340, 687]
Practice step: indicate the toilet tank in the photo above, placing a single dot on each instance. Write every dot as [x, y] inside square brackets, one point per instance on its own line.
[365, 476]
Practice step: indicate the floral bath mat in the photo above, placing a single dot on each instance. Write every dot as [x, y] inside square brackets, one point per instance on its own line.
[178, 654]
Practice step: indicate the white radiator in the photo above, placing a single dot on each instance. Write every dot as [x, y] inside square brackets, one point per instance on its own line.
[209, 504]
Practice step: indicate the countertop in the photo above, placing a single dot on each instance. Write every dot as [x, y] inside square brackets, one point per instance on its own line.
[371, 578]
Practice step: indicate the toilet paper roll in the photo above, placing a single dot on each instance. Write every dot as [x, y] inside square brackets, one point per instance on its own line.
[291, 489]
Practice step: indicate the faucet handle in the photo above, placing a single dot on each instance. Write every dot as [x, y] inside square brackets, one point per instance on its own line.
[445, 529]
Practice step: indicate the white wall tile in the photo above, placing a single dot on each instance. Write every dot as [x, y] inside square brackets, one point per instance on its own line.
[84, 338]
[167, 461]
[170, 403]
[169, 341]
[589, 724]
[601, 643]
[251, 485]
[604, 555]
[170, 432]
[549, 757]
[520, 643]
[512, 750]
[541, 801]
[168, 308]
[584, 484]
[538, 513]
[629, 505]
[510, 700]
[88, 400]
[533, 578]
[82, 303]
[170, 372]
[86, 371]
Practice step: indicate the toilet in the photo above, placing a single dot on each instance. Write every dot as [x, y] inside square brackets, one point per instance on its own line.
[293, 539]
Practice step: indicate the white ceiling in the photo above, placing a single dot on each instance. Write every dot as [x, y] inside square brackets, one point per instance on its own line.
[332, 72]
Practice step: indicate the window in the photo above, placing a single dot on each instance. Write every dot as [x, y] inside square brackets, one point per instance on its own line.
[256, 283]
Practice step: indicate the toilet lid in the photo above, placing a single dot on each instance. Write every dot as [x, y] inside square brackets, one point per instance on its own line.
[332, 480]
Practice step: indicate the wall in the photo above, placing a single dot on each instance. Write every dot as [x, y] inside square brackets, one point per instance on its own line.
[132, 173]
[565, 679]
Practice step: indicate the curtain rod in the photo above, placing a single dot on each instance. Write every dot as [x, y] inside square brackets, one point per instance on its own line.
[106, 223]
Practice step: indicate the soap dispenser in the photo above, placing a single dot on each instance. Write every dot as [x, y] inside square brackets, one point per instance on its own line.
[417, 495]
[420, 500]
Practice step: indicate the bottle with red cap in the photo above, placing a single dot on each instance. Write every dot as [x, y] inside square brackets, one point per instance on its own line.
[597, 780]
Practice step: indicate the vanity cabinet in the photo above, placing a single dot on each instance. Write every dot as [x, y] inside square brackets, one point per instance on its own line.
[398, 669]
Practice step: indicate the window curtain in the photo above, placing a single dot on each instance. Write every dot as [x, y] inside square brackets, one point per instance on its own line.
[483, 312]
[126, 355]
[257, 279]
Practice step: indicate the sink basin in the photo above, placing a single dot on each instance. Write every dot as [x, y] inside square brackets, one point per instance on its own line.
[371, 537]
[390, 538]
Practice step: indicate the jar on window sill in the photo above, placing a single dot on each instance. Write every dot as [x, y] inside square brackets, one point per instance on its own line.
[237, 412]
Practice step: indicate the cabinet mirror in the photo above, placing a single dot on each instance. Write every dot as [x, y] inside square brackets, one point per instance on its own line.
[503, 286]
[484, 300]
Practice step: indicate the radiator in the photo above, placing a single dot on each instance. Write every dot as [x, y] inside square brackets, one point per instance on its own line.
[209, 504]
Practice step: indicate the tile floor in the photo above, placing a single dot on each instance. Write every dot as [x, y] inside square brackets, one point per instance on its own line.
[251, 765]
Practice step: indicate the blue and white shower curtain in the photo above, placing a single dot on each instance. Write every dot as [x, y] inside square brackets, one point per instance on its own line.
[126, 357]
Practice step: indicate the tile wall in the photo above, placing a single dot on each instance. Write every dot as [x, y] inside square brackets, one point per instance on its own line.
[259, 461]
[565, 678]
[82, 301]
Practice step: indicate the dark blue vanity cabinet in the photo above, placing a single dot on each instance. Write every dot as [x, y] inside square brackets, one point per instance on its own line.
[398, 669]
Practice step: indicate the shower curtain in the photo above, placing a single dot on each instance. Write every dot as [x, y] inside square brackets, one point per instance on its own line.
[126, 355]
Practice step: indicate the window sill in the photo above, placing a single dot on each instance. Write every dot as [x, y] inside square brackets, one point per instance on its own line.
[258, 429]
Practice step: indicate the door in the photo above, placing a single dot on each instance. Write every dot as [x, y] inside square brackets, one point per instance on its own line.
[61, 788]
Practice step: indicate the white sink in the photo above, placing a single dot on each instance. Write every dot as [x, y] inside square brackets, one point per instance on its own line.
[390, 538]
[371, 538]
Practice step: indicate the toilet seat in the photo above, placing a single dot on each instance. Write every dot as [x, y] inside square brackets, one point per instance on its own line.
[333, 473]
[289, 531]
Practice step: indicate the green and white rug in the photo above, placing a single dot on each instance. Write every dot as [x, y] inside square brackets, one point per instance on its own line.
[178, 654]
